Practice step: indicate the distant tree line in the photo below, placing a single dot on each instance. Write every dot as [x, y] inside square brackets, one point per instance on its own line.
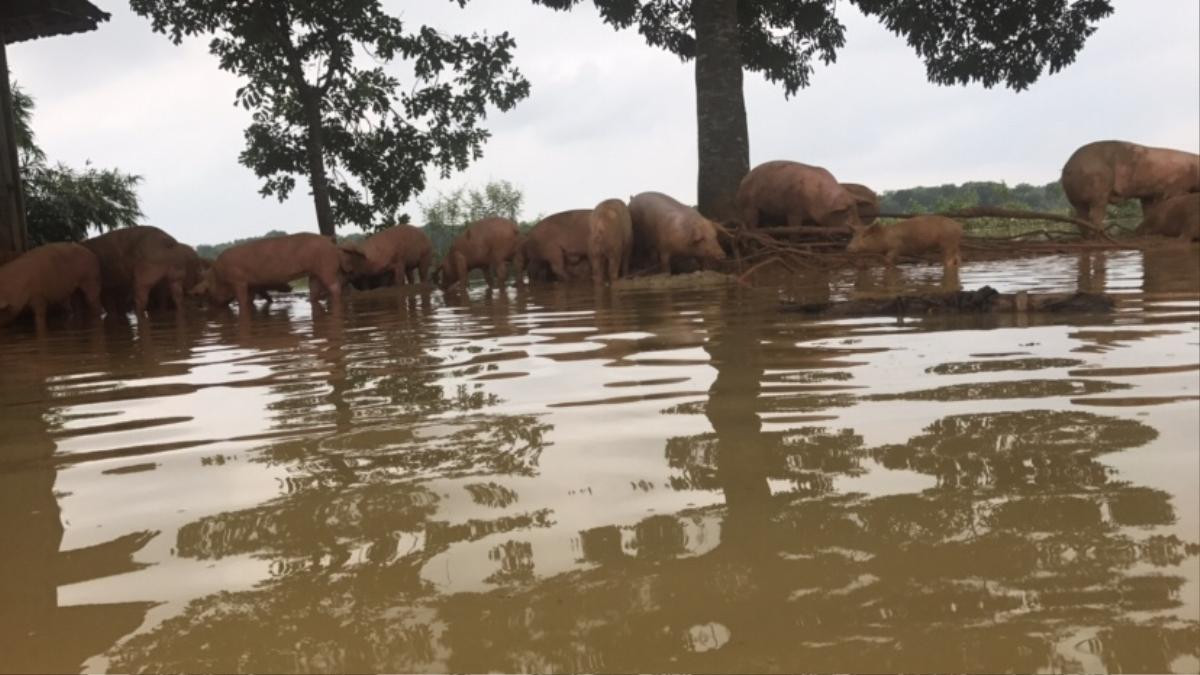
[1048, 198]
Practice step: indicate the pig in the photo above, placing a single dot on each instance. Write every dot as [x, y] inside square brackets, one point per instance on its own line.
[910, 237]
[48, 275]
[663, 227]
[275, 261]
[610, 240]
[556, 243]
[1111, 172]
[798, 193]
[404, 251]
[133, 260]
[488, 244]
[1178, 216]
[865, 200]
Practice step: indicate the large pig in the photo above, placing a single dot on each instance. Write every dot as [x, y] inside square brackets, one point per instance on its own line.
[556, 242]
[1178, 216]
[275, 261]
[133, 260]
[865, 200]
[664, 228]
[404, 251]
[48, 275]
[610, 243]
[911, 237]
[1110, 172]
[488, 244]
[795, 192]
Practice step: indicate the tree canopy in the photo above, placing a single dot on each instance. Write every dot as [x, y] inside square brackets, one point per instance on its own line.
[326, 106]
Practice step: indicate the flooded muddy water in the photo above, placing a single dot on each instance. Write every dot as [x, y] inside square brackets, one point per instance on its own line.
[644, 480]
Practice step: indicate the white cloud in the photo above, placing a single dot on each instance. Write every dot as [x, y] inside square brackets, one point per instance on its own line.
[611, 116]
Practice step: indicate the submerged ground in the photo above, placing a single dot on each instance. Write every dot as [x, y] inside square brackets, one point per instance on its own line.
[645, 480]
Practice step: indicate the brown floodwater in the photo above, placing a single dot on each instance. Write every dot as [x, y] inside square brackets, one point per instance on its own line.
[644, 480]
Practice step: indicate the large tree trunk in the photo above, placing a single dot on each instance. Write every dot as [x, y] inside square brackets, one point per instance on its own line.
[13, 233]
[310, 101]
[722, 139]
[315, 148]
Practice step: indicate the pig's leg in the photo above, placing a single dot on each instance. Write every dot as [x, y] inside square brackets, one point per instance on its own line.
[398, 274]
[626, 257]
[501, 271]
[890, 257]
[664, 262]
[38, 305]
[460, 269]
[334, 287]
[424, 266]
[315, 289]
[557, 264]
[614, 267]
[242, 290]
[91, 293]
[599, 265]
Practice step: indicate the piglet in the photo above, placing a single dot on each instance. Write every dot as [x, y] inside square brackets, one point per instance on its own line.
[911, 237]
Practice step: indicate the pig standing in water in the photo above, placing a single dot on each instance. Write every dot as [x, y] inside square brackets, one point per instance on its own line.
[556, 242]
[275, 261]
[911, 237]
[133, 261]
[404, 250]
[1178, 216]
[48, 275]
[799, 193]
[663, 227]
[610, 242]
[487, 244]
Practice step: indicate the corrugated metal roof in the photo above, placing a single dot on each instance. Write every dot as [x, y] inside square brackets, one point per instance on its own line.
[31, 19]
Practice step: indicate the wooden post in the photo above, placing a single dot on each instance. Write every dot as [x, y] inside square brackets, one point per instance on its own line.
[13, 235]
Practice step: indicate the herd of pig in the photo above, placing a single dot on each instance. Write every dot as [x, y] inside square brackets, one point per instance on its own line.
[142, 267]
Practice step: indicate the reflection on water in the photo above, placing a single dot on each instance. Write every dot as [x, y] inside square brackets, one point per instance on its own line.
[552, 479]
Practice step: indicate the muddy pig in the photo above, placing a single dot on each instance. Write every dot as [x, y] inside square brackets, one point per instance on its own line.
[1110, 172]
[865, 200]
[488, 244]
[404, 251]
[48, 275]
[275, 261]
[133, 260]
[910, 237]
[610, 242]
[1178, 216]
[796, 193]
[663, 227]
[557, 242]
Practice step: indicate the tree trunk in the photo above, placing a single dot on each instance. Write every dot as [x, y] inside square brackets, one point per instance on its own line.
[13, 233]
[315, 148]
[722, 140]
[310, 101]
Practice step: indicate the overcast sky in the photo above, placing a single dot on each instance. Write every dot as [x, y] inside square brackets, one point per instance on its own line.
[611, 116]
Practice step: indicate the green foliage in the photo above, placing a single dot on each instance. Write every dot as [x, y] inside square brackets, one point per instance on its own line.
[1048, 198]
[447, 215]
[968, 40]
[322, 111]
[63, 203]
[211, 251]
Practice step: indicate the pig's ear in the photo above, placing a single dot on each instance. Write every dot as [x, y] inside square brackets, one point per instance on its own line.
[352, 250]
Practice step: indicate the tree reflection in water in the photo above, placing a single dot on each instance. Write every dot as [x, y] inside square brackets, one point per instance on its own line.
[1028, 554]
